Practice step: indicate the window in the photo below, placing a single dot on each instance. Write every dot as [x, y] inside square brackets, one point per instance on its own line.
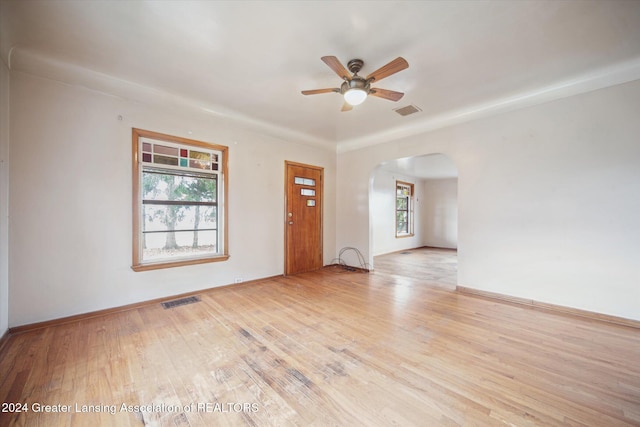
[404, 209]
[179, 209]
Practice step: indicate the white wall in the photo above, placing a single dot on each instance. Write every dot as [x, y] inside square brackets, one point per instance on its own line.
[383, 220]
[548, 199]
[4, 198]
[70, 190]
[440, 213]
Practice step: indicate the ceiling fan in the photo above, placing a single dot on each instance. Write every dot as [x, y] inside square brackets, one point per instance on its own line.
[355, 88]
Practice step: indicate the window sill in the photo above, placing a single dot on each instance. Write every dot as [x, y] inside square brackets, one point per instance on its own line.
[181, 263]
[400, 236]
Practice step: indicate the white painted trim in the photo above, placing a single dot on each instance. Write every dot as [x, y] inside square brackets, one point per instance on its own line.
[598, 79]
[37, 64]
[41, 65]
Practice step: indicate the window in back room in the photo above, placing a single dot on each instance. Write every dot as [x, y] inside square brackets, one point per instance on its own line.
[404, 209]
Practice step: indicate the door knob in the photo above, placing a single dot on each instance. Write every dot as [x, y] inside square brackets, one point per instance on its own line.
[290, 222]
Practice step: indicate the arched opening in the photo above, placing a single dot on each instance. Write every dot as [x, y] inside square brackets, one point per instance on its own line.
[413, 205]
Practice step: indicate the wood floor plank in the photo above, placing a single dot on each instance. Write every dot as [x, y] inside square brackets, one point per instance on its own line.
[397, 346]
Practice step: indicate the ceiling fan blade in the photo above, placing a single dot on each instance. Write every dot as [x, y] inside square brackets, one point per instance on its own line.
[391, 95]
[392, 67]
[317, 91]
[335, 64]
[346, 107]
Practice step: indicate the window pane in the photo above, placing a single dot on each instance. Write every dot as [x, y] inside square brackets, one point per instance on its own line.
[159, 186]
[401, 222]
[403, 190]
[178, 244]
[164, 160]
[402, 203]
[200, 155]
[162, 149]
[199, 164]
[167, 218]
[304, 181]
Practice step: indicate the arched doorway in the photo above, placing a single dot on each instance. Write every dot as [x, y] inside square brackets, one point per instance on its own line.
[413, 204]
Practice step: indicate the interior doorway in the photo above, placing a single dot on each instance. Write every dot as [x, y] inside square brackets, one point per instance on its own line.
[435, 217]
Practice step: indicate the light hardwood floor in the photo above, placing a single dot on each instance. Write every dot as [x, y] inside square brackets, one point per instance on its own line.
[329, 348]
[432, 266]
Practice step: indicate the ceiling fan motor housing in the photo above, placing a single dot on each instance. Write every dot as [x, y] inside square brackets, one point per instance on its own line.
[356, 82]
[355, 65]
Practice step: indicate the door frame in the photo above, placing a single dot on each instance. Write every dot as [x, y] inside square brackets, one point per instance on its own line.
[320, 199]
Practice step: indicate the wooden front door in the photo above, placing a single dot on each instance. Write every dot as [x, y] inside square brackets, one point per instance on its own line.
[303, 218]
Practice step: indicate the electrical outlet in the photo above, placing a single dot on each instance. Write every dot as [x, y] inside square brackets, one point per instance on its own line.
[238, 280]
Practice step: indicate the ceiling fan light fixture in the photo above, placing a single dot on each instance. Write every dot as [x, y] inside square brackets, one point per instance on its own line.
[355, 96]
[356, 89]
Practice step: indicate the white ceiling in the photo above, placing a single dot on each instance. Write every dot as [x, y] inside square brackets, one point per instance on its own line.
[250, 60]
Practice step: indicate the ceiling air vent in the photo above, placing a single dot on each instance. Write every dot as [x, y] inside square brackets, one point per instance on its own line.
[405, 111]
